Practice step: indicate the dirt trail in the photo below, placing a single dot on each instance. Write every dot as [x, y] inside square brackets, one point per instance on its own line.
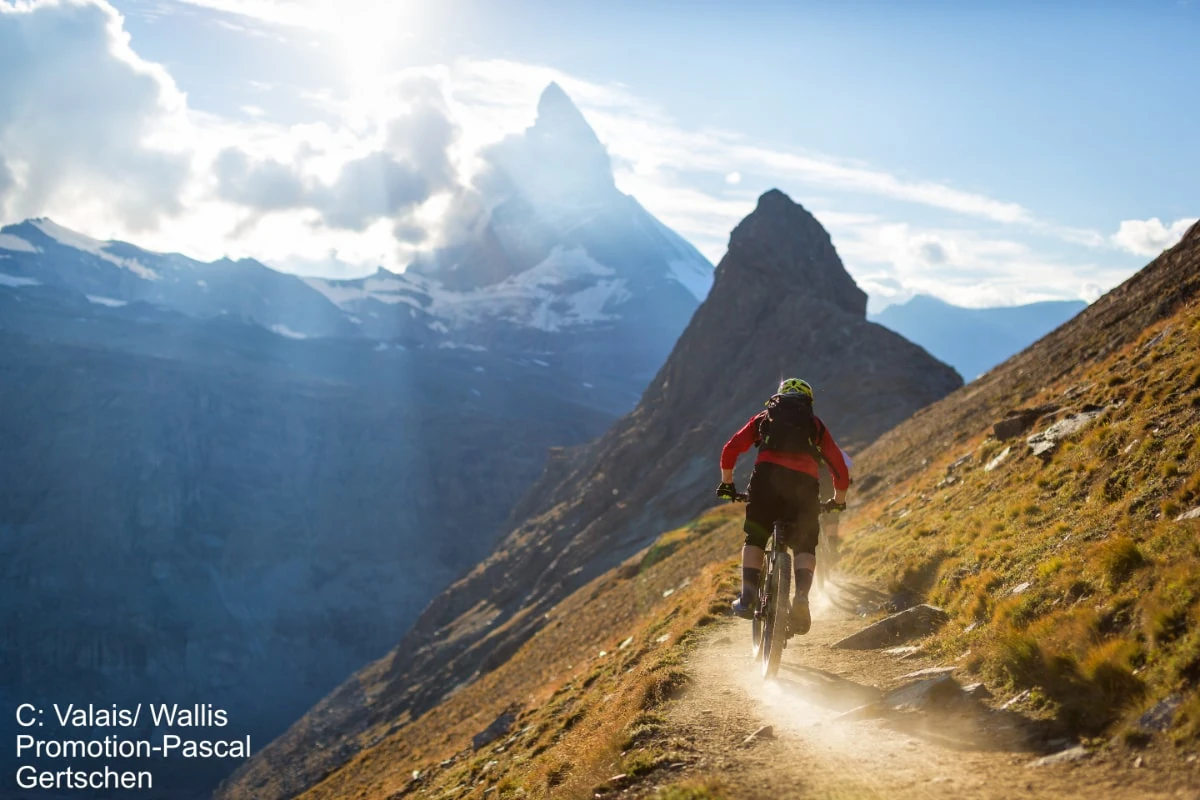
[977, 752]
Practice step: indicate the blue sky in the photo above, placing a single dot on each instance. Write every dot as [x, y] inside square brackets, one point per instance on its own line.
[989, 153]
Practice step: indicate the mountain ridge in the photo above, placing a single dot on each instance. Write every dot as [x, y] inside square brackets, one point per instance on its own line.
[1067, 615]
[244, 466]
[598, 503]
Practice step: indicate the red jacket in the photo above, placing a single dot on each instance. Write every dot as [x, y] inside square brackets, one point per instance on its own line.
[747, 437]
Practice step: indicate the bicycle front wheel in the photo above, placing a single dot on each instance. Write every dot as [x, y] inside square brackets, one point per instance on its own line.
[778, 613]
[757, 625]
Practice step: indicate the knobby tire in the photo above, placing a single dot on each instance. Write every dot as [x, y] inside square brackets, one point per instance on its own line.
[778, 615]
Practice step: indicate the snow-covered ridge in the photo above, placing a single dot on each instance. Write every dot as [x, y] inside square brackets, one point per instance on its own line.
[16, 243]
[568, 288]
[69, 238]
[539, 296]
[385, 289]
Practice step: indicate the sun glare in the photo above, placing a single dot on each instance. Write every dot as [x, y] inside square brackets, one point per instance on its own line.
[368, 34]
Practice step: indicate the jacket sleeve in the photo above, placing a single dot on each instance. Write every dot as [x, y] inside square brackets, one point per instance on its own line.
[835, 461]
[739, 443]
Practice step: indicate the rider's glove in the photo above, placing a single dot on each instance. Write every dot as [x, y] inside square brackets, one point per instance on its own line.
[832, 507]
[727, 491]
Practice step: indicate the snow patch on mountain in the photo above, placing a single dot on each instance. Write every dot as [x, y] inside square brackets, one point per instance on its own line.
[385, 289]
[690, 268]
[111, 302]
[695, 276]
[69, 238]
[285, 331]
[16, 243]
[474, 348]
[567, 288]
[16, 280]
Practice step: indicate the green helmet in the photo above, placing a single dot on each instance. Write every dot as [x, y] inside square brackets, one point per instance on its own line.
[796, 386]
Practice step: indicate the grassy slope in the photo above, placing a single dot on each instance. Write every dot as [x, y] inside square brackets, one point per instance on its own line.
[1107, 625]
[1070, 577]
[584, 687]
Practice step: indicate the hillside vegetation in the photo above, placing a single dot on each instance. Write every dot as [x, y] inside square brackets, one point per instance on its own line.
[582, 693]
[1068, 575]
[1074, 573]
[1071, 575]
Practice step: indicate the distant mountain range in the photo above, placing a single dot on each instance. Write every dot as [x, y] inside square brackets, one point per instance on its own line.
[551, 257]
[973, 340]
[222, 483]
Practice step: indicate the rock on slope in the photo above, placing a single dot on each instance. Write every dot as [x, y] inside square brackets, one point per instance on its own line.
[781, 304]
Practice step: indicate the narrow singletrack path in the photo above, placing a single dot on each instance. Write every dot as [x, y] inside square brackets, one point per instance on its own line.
[976, 751]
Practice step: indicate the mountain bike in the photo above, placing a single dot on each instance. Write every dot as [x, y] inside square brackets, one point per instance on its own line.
[772, 619]
[772, 616]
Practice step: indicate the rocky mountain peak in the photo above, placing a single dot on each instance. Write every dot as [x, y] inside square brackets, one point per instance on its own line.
[782, 304]
[781, 247]
[1193, 234]
[558, 159]
[558, 115]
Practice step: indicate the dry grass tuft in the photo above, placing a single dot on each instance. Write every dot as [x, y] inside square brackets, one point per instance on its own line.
[691, 790]
[1118, 558]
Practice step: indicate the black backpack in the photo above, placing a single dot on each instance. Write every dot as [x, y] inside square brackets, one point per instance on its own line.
[788, 426]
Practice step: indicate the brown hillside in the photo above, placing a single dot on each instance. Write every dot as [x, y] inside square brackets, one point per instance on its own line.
[581, 689]
[781, 303]
[1075, 572]
[1072, 579]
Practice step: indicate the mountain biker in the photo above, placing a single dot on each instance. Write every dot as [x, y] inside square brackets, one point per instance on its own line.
[783, 487]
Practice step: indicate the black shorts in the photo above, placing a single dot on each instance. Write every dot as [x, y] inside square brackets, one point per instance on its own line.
[781, 494]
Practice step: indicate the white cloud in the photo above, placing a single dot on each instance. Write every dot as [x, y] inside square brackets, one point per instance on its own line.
[310, 15]
[1149, 237]
[373, 180]
[894, 260]
[85, 123]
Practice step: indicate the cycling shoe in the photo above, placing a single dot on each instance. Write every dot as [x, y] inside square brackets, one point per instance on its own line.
[742, 609]
[801, 619]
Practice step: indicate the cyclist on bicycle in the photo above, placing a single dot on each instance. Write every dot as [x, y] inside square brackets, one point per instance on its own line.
[791, 442]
